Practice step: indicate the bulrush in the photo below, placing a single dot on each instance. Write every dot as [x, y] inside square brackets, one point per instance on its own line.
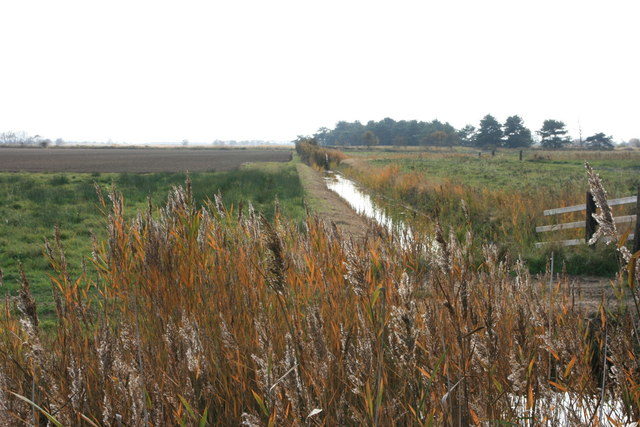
[197, 316]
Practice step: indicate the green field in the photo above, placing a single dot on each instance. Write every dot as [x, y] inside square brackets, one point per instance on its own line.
[505, 197]
[32, 204]
[551, 171]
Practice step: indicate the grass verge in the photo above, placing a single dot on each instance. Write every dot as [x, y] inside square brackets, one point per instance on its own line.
[32, 204]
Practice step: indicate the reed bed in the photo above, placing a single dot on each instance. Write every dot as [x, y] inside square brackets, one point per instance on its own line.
[318, 157]
[199, 316]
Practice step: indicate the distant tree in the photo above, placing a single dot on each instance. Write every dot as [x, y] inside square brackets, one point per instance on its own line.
[599, 141]
[8, 138]
[44, 143]
[185, 142]
[452, 139]
[466, 135]
[384, 130]
[59, 142]
[370, 138]
[306, 139]
[437, 138]
[516, 134]
[634, 142]
[411, 132]
[553, 134]
[490, 133]
[321, 135]
[400, 140]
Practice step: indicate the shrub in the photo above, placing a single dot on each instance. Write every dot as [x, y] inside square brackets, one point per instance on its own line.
[59, 180]
[317, 156]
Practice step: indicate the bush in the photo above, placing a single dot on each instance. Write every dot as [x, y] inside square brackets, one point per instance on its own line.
[313, 155]
[59, 180]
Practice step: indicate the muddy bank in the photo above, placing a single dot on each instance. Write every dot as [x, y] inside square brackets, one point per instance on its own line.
[328, 205]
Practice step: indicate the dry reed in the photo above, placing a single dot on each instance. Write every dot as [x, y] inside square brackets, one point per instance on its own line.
[196, 316]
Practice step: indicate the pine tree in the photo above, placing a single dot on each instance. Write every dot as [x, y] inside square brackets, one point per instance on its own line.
[599, 141]
[516, 134]
[553, 134]
[490, 133]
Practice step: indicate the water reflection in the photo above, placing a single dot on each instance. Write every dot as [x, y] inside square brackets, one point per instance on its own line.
[364, 204]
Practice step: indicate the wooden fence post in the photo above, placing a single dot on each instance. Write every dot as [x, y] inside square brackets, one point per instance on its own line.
[520, 155]
[590, 222]
[636, 240]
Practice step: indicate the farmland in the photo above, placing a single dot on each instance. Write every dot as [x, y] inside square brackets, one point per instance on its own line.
[138, 160]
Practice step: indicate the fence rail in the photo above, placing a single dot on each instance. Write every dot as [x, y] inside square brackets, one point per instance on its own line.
[577, 208]
[579, 224]
[589, 223]
[574, 242]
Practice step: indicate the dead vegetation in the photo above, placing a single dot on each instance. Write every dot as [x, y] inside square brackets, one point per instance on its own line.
[197, 316]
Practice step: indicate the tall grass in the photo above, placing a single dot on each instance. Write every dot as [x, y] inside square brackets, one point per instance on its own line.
[196, 315]
[316, 156]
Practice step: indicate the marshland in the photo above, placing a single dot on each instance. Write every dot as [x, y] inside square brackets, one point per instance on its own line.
[287, 213]
[230, 297]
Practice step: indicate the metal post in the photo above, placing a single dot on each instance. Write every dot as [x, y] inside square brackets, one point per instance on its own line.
[590, 222]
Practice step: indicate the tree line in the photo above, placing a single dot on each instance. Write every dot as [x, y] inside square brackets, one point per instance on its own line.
[24, 139]
[489, 134]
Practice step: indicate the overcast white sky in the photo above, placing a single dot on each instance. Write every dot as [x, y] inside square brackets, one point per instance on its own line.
[141, 71]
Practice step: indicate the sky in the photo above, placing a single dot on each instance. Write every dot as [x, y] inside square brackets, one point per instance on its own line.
[141, 71]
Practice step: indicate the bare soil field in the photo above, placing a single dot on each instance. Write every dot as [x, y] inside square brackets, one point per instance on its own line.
[133, 159]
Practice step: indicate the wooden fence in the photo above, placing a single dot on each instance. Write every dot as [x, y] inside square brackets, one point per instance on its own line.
[589, 223]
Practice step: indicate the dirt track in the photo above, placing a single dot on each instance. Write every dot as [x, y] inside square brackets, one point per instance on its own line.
[328, 205]
[132, 159]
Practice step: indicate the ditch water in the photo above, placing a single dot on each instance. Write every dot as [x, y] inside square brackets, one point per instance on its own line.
[364, 204]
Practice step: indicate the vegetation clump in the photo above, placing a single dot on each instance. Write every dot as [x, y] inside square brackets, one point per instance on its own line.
[314, 155]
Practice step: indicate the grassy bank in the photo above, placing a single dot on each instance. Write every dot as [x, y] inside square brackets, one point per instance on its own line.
[503, 196]
[32, 204]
